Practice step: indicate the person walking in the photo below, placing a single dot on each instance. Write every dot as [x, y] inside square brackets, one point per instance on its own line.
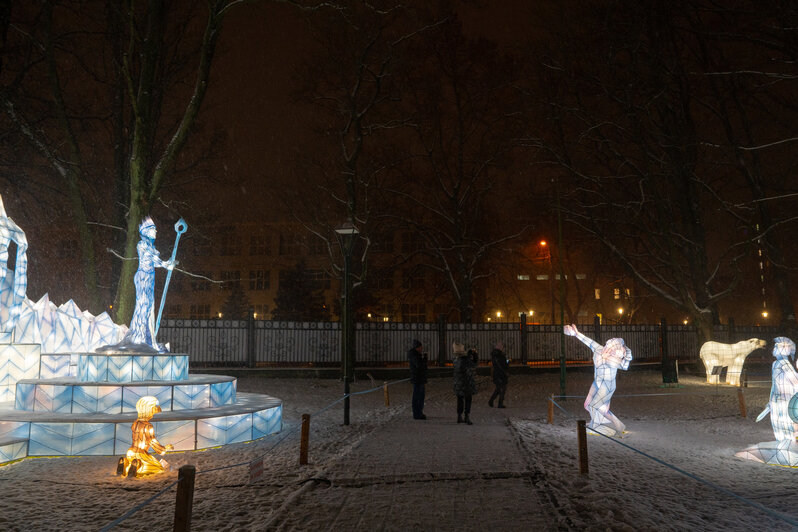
[501, 373]
[465, 385]
[418, 377]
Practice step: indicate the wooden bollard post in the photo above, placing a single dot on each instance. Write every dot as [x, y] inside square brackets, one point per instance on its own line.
[385, 393]
[740, 398]
[551, 409]
[582, 437]
[185, 498]
[303, 441]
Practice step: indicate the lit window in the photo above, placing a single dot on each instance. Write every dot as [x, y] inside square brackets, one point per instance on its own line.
[581, 276]
[542, 277]
[523, 277]
[628, 292]
[597, 293]
[616, 293]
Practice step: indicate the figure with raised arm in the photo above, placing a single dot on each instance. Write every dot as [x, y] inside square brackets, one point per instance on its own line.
[142, 326]
[607, 359]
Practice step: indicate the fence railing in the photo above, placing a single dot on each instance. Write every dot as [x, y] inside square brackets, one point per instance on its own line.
[237, 343]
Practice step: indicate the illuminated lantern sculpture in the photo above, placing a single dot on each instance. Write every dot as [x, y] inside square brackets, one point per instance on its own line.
[142, 329]
[11, 233]
[716, 356]
[783, 409]
[607, 359]
[138, 461]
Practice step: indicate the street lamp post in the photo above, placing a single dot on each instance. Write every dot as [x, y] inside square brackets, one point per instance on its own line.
[347, 233]
[545, 245]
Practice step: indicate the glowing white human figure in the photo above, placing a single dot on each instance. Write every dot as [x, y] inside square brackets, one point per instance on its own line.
[784, 386]
[607, 359]
[142, 325]
[11, 232]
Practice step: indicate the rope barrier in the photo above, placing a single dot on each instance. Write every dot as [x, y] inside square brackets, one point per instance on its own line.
[282, 438]
[721, 489]
[136, 508]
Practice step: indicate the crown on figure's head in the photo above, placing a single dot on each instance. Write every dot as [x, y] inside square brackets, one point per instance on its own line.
[145, 224]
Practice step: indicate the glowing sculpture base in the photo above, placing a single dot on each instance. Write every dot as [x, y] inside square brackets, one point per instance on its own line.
[71, 416]
[780, 453]
[606, 430]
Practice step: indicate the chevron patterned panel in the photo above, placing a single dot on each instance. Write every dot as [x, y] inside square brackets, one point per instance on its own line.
[14, 430]
[190, 396]
[163, 394]
[267, 422]
[50, 439]
[180, 372]
[109, 399]
[181, 434]
[239, 428]
[17, 361]
[92, 438]
[143, 368]
[84, 399]
[162, 368]
[131, 394]
[54, 366]
[120, 368]
[222, 393]
[92, 368]
[13, 451]
[211, 432]
[25, 397]
[123, 437]
[53, 398]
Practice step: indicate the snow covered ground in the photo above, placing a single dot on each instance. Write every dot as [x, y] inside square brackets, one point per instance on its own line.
[386, 471]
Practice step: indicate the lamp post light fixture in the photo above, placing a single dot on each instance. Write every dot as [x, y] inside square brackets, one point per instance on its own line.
[346, 235]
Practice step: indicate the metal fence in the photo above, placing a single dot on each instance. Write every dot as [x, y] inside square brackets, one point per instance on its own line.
[234, 343]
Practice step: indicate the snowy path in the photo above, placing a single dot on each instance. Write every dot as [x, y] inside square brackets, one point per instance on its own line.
[424, 475]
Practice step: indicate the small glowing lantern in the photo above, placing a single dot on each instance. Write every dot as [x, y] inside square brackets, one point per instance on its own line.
[138, 461]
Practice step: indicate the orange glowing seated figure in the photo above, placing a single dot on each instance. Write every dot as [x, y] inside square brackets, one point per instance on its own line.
[138, 462]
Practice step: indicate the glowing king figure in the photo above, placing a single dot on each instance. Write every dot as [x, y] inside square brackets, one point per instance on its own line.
[607, 359]
[138, 461]
[142, 326]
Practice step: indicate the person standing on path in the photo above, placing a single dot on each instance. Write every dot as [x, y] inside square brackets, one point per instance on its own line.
[418, 377]
[465, 384]
[501, 373]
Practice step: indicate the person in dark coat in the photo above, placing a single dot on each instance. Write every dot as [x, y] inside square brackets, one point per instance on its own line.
[465, 384]
[418, 377]
[501, 373]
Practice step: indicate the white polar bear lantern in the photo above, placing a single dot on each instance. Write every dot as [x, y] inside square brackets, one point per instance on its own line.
[718, 355]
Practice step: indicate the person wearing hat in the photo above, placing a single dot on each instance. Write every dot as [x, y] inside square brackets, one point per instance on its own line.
[501, 373]
[418, 377]
[465, 384]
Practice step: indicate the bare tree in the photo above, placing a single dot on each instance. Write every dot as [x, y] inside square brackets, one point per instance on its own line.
[107, 94]
[629, 130]
[351, 82]
[466, 122]
[750, 106]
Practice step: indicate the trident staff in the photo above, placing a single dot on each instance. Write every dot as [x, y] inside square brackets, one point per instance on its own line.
[180, 228]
